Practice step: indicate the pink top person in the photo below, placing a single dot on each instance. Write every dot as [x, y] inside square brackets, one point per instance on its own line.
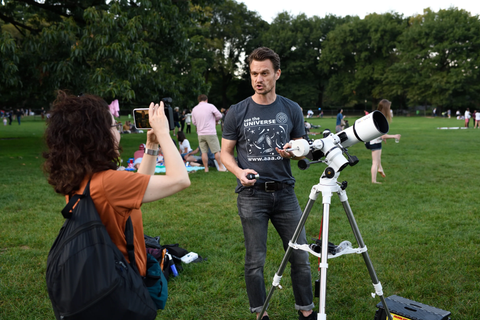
[205, 116]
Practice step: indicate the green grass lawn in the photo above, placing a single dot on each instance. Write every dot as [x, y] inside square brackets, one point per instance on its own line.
[421, 227]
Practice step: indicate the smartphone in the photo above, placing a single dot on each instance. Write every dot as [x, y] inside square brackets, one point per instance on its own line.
[141, 118]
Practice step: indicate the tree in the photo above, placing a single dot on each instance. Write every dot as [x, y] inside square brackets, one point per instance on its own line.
[226, 37]
[439, 59]
[299, 42]
[9, 61]
[136, 51]
[357, 55]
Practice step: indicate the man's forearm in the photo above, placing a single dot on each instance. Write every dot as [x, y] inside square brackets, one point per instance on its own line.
[229, 162]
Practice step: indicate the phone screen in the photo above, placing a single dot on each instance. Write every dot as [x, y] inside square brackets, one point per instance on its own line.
[141, 118]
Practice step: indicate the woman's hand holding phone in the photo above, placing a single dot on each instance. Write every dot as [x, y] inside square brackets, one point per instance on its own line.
[158, 122]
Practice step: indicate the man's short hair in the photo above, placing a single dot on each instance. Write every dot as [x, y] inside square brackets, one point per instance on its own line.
[202, 97]
[264, 53]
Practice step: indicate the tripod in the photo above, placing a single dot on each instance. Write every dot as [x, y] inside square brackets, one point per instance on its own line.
[327, 186]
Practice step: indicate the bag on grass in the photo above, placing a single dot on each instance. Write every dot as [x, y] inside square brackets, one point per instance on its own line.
[156, 282]
[152, 242]
[88, 276]
[168, 262]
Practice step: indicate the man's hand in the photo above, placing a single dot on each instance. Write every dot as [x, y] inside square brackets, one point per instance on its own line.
[243, 177]
[284, 153]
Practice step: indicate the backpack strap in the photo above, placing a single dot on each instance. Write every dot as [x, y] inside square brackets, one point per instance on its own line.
[67, 214]
[68, 210]
[130, 245]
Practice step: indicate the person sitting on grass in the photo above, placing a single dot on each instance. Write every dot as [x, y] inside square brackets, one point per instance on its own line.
[184, 144]
[82, 151]
[197, 161]
[126, 127]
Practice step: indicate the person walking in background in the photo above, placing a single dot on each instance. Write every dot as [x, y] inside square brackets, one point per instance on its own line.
[205, 116]
[188, 121]
[222, 121]
[338, 124]
[376, 145]
[477, 119]
[19, 115]
[468, 115]
[182, 119]
[117, 195]
[176, 120]
[10, 116]
[259, 128]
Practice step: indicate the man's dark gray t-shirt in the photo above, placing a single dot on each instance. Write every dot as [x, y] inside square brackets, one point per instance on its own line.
[258, 130]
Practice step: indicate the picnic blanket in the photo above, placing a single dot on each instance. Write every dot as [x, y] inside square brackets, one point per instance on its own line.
[161, 169]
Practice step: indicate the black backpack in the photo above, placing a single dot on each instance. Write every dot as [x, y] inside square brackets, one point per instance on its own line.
[88, 276]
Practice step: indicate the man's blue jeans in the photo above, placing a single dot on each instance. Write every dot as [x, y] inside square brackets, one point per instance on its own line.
[255, 208]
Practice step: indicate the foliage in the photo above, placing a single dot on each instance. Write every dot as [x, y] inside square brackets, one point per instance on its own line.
[139, 51]
[9, 61]
[133, 51]
[299, 43]
[226, 38]
[357, 55]
[439, 59]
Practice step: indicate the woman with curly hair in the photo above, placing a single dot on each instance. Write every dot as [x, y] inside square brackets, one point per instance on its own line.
[84, 144]
[376, 145]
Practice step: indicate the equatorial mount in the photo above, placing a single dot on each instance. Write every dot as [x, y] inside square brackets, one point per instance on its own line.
[329, 148]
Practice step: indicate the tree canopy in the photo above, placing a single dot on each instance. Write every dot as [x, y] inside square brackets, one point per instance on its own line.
[438, 59]
[134, 51]
[141, 50]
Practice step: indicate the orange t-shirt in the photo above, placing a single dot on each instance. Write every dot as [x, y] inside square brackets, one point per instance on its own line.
[118, 195]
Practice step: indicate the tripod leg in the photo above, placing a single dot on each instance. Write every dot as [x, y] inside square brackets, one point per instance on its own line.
[373, 275]
[288, 252]
[327, 199]
[324, 261]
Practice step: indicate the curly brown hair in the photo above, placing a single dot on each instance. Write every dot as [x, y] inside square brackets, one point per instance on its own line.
[79, 140]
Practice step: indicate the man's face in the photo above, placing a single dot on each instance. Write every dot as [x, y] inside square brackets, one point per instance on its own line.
[263, 76]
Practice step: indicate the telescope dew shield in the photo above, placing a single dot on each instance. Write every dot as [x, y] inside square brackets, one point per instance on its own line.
[365, 129]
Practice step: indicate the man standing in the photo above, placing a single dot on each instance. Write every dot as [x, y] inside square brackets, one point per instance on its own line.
[338, 124]
[10, 116]
[205, 116]
[176, 120]
[19, 115]
[259, 128]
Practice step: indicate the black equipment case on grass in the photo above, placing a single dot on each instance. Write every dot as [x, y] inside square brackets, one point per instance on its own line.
[405, 309]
